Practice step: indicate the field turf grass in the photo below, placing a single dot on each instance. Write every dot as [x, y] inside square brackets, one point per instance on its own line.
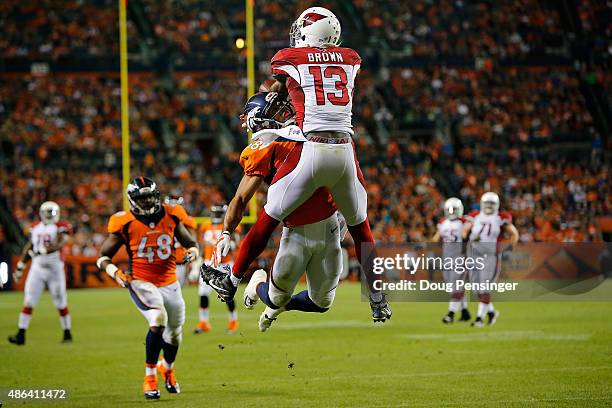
[538, 355]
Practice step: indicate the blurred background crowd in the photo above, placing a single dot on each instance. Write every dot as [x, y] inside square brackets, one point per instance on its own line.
[455, 98]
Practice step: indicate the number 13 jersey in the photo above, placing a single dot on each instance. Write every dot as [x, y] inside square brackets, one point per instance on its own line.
[320, 82]
[150, 246]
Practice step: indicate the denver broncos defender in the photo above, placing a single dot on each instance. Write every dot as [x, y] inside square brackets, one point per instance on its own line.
[47, 238]
[148, 231]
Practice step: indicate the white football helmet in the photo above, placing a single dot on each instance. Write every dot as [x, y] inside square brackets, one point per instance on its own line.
[489, 203]
[49, 212]
[453, 208]
[315, 27]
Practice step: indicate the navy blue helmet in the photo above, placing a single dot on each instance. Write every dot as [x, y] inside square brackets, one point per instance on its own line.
[268, 110]
[143, 196]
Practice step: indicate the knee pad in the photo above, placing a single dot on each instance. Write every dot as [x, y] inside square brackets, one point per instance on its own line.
[157, 317]
[324, 302]
[279, 298]
[173, 336]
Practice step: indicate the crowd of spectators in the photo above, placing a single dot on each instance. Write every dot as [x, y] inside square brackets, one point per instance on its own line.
[494, 128]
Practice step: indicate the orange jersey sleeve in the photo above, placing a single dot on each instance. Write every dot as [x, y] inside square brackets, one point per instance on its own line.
[260, 159]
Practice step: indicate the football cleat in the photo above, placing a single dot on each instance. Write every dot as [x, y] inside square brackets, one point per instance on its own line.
[202, 327]
[18, 339]
[250, 292]
[265, 321]
[169, 377]
[492, 317]
[465, 315]
[478, 323]
[149, 387]
[381, 312]
[449, 318]
[67, 337]
[232, 326]
[219, 281]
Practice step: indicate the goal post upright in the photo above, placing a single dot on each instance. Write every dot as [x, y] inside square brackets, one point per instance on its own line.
[125, 107]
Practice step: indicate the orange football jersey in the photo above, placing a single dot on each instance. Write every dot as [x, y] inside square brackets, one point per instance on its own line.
[210, 233]
[150, 247]
[261, 159]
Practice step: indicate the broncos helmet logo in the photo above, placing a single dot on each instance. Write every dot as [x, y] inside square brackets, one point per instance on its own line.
[311, 18]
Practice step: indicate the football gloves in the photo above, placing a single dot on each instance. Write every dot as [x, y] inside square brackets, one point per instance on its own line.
[220, 281]
[222, 247]
[191, 255]
[123, 279]
[381, 311]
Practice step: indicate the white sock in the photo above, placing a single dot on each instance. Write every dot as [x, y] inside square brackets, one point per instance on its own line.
[65, 322]
[233, 315]
[166, 365]
[235, 280]
[453, 306]
[491, 308]
[24, 320]
[150, 370]
[464, 303]
[482, 309]
[203, 315]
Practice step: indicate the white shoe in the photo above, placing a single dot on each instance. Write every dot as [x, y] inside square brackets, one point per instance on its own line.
[250, 292]
[268, 317]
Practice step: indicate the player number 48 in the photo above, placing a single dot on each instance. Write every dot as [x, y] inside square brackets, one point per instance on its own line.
[163, 251]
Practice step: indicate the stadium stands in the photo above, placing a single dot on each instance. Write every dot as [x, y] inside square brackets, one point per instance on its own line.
[455, 98]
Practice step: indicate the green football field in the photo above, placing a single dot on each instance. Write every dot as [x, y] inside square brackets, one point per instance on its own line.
[538, 354]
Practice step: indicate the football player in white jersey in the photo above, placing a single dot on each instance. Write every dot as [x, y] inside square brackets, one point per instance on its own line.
[450, 233]
[490, 233]
[47, 238]
[319, 76]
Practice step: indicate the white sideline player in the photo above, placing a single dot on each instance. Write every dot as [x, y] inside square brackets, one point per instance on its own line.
[490, 232]
[47, 238]
[319, 76]
[450, 233]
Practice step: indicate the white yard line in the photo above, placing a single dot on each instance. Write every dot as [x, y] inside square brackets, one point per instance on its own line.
[498, 336]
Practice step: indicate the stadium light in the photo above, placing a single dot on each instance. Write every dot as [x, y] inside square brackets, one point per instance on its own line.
[240, 43]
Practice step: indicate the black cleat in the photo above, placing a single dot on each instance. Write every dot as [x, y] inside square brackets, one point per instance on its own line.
[381, 311]
[478, 322]
[492, 317]
[152, 395]
[18, 339]
[67, 337]
[449, 318]
[465, 315]
[220, 281]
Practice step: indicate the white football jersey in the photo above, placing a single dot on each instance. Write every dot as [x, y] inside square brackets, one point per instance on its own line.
[451, 234]
[43, 235]
[488, 227]
[320, 82]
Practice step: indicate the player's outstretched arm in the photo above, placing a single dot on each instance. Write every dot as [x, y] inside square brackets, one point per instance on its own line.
[436, 237]
[466, 230]
[105, 262]
[246, 190]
